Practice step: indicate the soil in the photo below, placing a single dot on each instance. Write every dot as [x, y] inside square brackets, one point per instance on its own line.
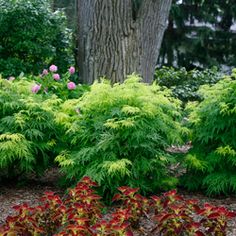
[12, 194]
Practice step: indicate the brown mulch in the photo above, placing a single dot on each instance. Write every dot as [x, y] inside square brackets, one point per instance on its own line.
[11, 194]
[29, 192]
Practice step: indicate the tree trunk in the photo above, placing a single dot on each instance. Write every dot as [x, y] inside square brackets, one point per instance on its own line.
[115, 41]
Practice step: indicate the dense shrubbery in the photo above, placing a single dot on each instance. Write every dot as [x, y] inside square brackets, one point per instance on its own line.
[117, 134]
[80, 213]
[185, 84]
[32, 36]
[28, 132]
[120, 134]
[211, 165]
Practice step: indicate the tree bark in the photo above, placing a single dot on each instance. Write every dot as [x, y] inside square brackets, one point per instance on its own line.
[113, 43]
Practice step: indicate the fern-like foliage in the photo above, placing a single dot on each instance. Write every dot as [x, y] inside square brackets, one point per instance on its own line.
[28, 130]
[13, 147]
[119, 135]
[212, 162]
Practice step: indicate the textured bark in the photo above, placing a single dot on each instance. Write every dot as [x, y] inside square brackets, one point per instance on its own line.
[113, 44]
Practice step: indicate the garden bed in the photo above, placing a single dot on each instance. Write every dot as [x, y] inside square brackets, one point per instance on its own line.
[12, 194]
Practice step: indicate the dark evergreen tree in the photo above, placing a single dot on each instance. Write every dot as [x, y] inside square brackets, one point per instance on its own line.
[200, 33]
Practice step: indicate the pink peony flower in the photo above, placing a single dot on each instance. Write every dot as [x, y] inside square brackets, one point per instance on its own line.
[72, 70]
[36, 88]
[71, 85]
[53, 68]
[45, 72]
[56, 76]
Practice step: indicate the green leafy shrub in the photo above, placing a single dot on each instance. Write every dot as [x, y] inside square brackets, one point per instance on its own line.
[119, 135]
[211, 165]
[28, 131]
[80, 213]
[32, 36]
[185, 84]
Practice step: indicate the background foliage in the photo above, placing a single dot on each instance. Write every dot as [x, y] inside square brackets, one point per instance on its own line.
[31, 37]
[200, 34]
[185, 84]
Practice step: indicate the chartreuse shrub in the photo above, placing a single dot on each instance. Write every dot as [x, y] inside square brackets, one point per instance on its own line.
[119, 135]
[28, 131]
[211, 164]
[80, 213]
[32, 36]
[185, 84]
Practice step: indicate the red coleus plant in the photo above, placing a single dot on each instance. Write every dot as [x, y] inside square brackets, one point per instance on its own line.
[134, 204]
[178, 216]
[215, 218]
[79, 214]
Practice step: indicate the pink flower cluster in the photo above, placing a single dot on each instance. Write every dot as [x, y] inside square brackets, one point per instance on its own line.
[52, 70]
